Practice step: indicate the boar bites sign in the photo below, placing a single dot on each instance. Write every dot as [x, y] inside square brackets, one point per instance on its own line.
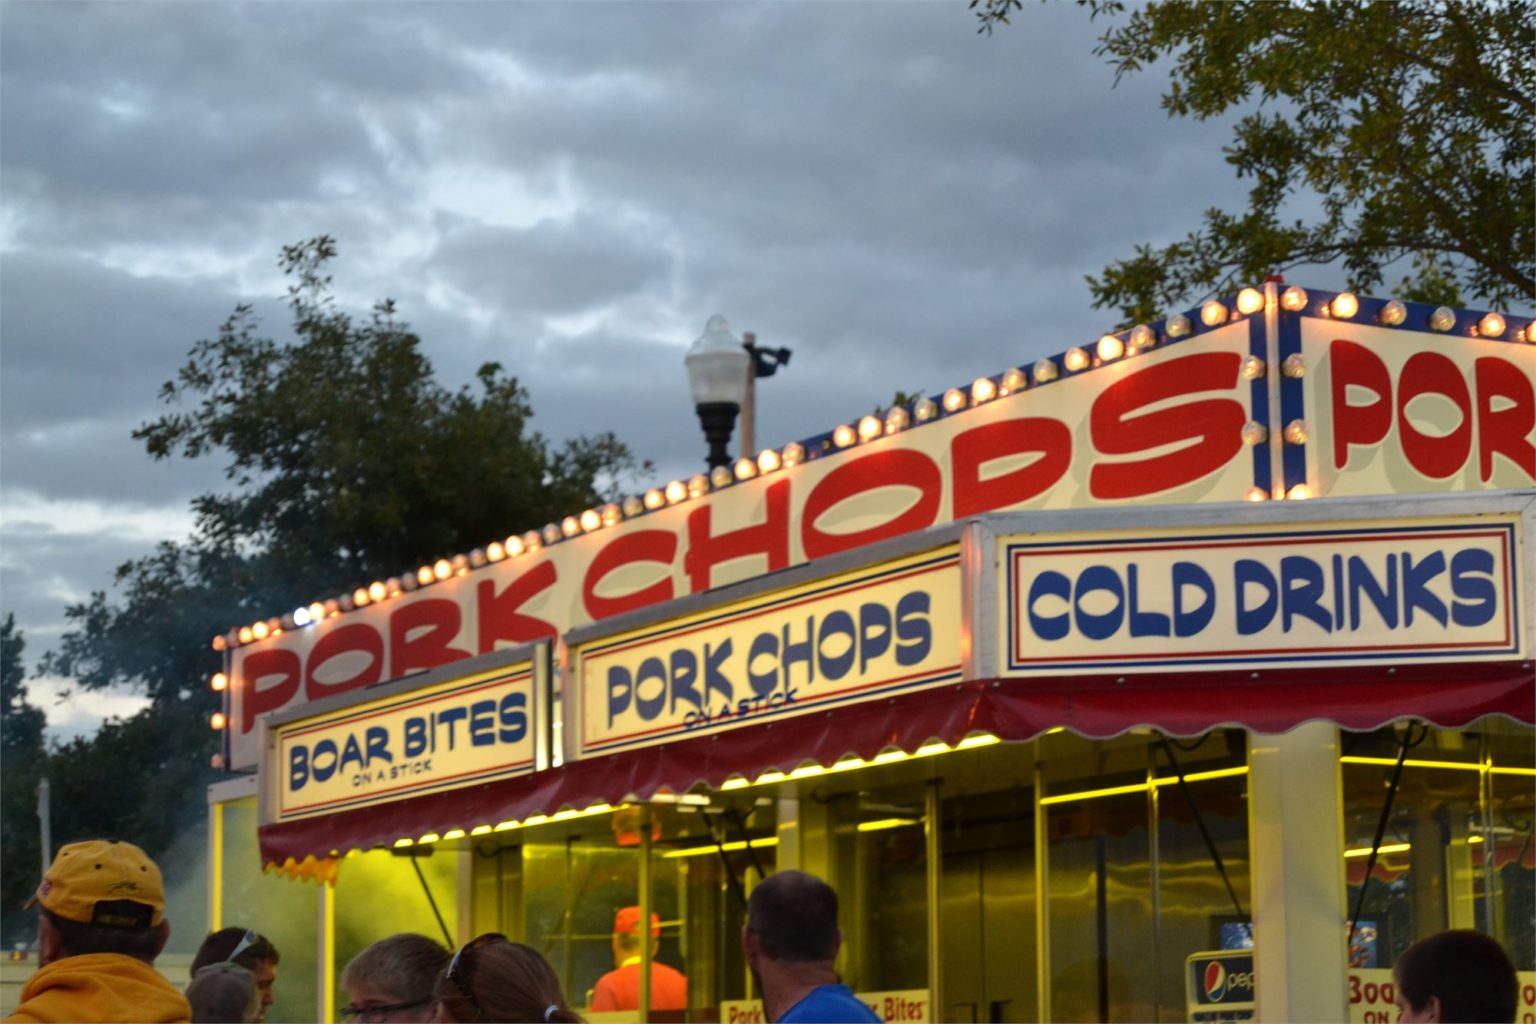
[889, 628]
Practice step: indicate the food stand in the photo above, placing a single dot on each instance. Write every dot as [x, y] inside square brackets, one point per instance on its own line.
[1216, 635]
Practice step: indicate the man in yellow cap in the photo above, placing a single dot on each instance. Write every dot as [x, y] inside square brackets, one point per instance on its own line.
[101, 927]
[619, 989]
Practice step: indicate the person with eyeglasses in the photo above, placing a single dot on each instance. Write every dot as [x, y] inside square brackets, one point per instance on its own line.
[246, 948]
[494, 979]
[394, 980]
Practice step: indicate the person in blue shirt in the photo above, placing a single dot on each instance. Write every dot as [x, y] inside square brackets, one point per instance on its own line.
[790, 940]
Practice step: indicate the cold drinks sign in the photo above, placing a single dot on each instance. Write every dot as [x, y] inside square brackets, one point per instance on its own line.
[1420, 590]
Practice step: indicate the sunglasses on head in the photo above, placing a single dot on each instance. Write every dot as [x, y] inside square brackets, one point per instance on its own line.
[458, 967]
[249, 939]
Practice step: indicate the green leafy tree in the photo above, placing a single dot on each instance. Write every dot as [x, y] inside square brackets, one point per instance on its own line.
[348, 462]
[22, 757]
[1376, 135]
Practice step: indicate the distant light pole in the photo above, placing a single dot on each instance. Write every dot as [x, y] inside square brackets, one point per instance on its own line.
[722, 370]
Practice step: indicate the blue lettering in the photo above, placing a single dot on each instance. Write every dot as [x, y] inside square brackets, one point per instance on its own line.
[1256, 619]
[378, 744]
[298, 766]
[764, 645]
[415, 736]
[450, 717]
[513, 712]
[1189, 621]
[914, 633]
[482, 723]
[1301, 583]
[1105, 625]
[326, 749]
[1049, 584]
[1476, 598]
[351, 752]
[685, 673]
[802, 652]
[1143, 623]
[838, 623]
[874, 632]
[650, 707]
[619, 690]
[1416, 593]
[1362, 580]
[715, 680]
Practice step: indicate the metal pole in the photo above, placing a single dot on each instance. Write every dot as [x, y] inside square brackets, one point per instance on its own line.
[1042, 892]
[749, 403]
[645, 913]
[45, 823]
[933, 834]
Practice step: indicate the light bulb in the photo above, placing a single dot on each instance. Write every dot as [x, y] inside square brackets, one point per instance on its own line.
[1442, 319]
[1075, 359]
[844, 435]
[1344, 305]
[1250, 300]
[954, 400]
[1294, 299]
[983, 389]
[1394, 313]
[1491, 326]
[1177, 325]
[1110, 347]
[1213, 313]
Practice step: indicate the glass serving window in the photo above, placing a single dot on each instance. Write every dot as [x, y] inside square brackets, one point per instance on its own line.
[1456, 847]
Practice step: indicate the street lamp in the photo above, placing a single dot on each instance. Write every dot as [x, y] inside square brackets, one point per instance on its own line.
[717, 376]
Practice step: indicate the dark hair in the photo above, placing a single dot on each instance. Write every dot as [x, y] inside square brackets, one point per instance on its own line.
[406, 966]
[223, 993]
[510, 982]
[218, 945]
[794, 916]
[1469, 972]
[77, 939]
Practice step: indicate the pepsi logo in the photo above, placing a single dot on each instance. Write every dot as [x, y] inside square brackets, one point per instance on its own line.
[1215, 981]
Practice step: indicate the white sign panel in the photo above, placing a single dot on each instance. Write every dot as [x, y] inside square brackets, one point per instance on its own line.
[1163, 426]
[471, 730]
[1305, 594]
[885, 629]
[1402, 412]
[1373, 996]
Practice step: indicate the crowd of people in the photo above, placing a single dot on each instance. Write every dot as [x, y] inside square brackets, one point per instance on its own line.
[102, 924]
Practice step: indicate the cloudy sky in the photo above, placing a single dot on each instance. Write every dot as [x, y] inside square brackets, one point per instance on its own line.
[570, 189]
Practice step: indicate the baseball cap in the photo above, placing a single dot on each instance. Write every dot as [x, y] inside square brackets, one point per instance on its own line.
[103, 882]
[627, 921]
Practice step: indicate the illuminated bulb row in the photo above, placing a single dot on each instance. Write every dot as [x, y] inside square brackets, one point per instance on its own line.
[479, 830]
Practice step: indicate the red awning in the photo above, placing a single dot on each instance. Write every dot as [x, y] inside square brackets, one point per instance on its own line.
[1355, 697]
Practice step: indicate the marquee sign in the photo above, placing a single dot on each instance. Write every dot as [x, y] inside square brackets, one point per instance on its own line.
[1446, 589]
[889, 628]
[1239, 400]
[478, 726]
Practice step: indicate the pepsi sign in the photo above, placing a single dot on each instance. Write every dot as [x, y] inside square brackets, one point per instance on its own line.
[1219, 986]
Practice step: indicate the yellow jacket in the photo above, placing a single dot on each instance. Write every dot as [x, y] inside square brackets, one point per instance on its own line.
[100, 987]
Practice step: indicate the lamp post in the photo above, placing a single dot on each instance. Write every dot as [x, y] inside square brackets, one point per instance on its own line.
[717, 376]
[722, 374]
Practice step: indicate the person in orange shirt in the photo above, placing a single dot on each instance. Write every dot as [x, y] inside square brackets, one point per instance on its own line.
[619, 989]
[101, 927]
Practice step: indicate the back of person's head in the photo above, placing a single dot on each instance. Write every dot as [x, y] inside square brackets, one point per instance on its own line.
[223, 993]
[493, 979]
[103, 896]
[1468, 972]
[404, 967]
[243, 946]
[626, 929]
[794, 916]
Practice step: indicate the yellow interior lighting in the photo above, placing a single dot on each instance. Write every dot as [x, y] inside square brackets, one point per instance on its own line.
[1365, 851]
[1141, 787]
[767, 777]
[735, 782]
[430, 837]
[848, 764]
[881, 824]
[454, 833]
[480, 830]
[504, 825]
[929, 749]
[402, 843]
[806, 770]
[1466, 766]
[731, 847]
[984, 739]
